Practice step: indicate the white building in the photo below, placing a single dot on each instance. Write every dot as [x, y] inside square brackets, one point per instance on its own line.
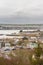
[32, 45]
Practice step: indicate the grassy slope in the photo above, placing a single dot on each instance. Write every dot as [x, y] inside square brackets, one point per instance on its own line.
[22, 58]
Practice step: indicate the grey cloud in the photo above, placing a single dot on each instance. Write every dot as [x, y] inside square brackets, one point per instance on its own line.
[21, 11]
[22, 20]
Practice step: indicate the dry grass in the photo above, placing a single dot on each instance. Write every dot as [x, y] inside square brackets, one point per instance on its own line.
[21, 58]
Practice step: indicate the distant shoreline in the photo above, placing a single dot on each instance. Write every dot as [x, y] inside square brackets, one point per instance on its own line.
[20, 26]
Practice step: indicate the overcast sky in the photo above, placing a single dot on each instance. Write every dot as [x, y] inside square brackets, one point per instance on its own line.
[21, 11]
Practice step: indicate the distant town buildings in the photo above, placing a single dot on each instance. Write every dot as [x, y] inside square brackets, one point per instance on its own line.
[20, 26]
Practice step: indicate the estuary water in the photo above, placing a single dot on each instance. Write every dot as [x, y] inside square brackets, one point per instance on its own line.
[8, 31]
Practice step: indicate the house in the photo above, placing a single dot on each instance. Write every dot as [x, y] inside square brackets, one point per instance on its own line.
[32, 45]
[0, 44]
[7, 44]
[6, 47]
[16, 41]
[32, 39]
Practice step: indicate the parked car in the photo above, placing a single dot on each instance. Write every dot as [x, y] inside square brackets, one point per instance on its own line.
[7, 48]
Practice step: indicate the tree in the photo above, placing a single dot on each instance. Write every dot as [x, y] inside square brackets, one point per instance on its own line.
[11, 41]
[21, 31]
[25, 38]
[36, 59]
[20, 43]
